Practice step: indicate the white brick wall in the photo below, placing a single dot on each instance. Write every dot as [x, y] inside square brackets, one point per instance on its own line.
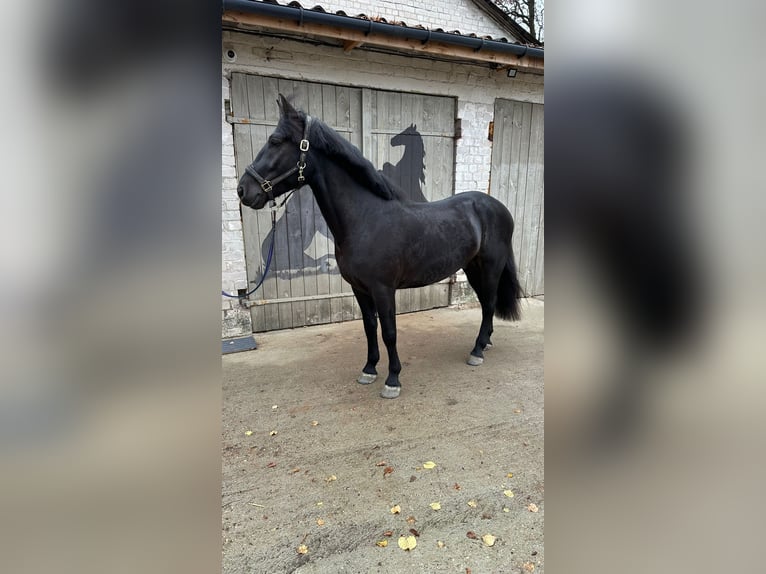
[235, 319]
[473, 86]
[463, 15]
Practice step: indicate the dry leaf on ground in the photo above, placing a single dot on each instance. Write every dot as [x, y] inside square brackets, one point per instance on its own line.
[320, 522]
[388, 533]
[314, 423]
[472, 503]
[414, 532]
[248, 432]
[509, 475]
[303, 549]
[435, 505]
[388, 470]
[533, 507]
[472, 535]
[396, 509]
[430, 464]
[488, 539]
[381, 463]
[439, 544]
[508, 493]
[382, 543]
[331, 478]
[528, 567]
[411, 520]
[407, 542]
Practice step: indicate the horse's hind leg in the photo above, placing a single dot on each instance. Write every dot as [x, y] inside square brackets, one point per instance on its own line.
[370, 320]
[484, 279]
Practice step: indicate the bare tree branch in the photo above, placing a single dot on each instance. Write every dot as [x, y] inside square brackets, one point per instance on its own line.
[529, 14]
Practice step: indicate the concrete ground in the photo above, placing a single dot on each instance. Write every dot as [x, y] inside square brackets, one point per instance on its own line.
[314, 461]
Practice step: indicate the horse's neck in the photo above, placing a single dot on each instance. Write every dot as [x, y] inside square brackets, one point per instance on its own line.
[413, 156]
[339, 200]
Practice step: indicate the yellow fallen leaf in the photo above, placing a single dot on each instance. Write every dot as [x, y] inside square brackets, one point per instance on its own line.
[509, 475]
[314, 423]
[506, 509]
[320, 522]
[303, 549]
[528, 567]
[439, 544]
[508, 493]
[396, 509]
[472, 503]
[248, 432]
[273, 433]
[429, 464]
[533, 507]
[274, 407]
[382, 543]
[435, 505]
[488, 539]
[407, 542]
[331, 478]
[320, 503]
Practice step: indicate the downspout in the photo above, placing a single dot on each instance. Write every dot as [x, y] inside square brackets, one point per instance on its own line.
[301, 15]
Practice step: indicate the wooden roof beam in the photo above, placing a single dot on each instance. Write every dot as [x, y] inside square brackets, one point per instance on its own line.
[351, 39]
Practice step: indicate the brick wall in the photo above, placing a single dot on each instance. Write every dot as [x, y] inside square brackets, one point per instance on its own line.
[235, 319]
[474, 87]
[463, 15]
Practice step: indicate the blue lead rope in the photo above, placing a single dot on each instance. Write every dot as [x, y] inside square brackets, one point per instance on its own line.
[271, 251]
[263, 277]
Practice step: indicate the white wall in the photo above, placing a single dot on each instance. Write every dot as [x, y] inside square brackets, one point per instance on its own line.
[449, 15]
[474, 86]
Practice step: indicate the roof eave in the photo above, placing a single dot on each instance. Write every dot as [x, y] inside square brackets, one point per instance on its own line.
[355, 32]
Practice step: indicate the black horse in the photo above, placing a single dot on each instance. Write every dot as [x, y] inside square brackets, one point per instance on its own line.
[383, 241]
[408, 174]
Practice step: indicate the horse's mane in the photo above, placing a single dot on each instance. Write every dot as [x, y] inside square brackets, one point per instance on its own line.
[325, 138]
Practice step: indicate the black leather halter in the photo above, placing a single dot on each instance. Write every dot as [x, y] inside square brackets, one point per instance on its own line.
[267, 185]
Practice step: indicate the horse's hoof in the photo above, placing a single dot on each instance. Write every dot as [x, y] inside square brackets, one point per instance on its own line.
[366, 378]
[474, 361]
[390, 392]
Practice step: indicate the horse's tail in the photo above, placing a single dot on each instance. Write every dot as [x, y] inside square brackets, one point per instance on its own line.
[509, 293]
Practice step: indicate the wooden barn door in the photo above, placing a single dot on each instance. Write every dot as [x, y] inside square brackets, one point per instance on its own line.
[304, 286]
[517, 181]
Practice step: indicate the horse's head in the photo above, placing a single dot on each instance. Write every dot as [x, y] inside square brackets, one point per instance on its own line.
[278, 166]
[402, 137]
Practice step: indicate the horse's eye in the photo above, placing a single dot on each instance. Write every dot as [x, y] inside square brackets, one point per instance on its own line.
[273, 140]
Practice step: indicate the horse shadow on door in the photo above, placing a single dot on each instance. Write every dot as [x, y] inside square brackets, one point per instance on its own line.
[408, 174]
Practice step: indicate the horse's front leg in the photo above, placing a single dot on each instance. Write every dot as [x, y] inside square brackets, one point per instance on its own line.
[370, 320]
[386, 306]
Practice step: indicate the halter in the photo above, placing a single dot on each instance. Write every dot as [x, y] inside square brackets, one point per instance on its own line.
[268, 185]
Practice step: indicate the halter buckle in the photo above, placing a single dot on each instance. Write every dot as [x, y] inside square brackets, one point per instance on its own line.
[304, 146]
[266, 186]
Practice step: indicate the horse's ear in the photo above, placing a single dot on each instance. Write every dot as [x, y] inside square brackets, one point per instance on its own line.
[285, 107]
